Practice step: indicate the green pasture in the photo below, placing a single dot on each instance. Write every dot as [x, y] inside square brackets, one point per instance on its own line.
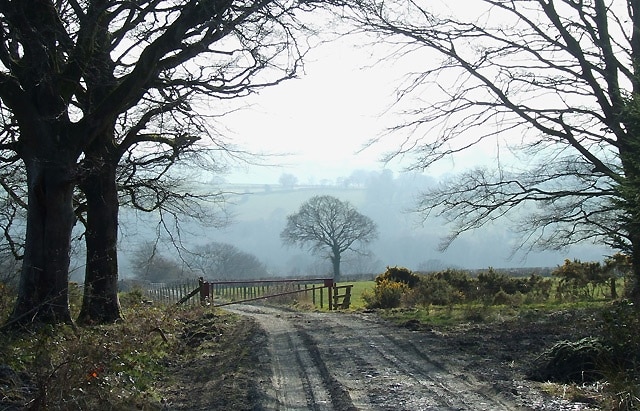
[356, 292]
[305, 300]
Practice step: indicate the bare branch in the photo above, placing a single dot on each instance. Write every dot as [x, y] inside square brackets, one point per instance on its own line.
[556, 81]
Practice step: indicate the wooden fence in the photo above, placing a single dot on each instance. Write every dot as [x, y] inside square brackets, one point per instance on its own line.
[168, 293]
[318, 291]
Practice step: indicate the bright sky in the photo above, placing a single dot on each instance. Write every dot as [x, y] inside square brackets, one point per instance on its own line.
[324, 118]
[320, 120]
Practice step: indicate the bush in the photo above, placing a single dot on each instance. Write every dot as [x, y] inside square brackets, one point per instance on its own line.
[7, 299]
[580, 280]
[537, 288]
[76, 292]
[386, 294]
[399, 275]
[476, 313]
[613, 356]
[132, 298]
[620, 332]
[59, 367]
[491, 282]
[503, 298]
[456, 286]
[460, 281]
[573, 362]
[619, 266]
[434, 290]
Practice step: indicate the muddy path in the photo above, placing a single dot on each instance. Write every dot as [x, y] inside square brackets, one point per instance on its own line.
[356, 361]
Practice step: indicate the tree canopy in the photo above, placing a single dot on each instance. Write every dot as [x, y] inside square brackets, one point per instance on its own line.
[221, 261]
[327, 224]
[555, 82]
[88, 86]
[149, 264]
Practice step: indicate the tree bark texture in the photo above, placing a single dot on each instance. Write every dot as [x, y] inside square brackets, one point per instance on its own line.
[43, 293]
[335, 261]
[100, 303]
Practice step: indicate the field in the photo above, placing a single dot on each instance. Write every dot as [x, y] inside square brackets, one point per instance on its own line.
[359, 287]
[357, 291]
[159, 354]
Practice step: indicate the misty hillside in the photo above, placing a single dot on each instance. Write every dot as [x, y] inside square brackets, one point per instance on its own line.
[258, 215]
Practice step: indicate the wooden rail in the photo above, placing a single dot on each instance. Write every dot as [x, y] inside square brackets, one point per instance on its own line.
[346, 297]
[222, 293]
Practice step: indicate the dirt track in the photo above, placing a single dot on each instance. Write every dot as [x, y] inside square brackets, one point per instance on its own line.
[356, 361]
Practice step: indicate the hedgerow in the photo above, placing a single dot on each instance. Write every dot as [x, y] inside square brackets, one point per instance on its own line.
[448, 287]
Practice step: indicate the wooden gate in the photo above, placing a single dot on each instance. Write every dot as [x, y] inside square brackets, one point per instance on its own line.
[222, 293]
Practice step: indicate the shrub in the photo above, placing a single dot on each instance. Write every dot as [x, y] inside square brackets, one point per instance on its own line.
[434, 290]
[572, 362]
[491, 282]
[7, 298]
[503, 298]
[619, 266]
[581, 280]
[399, 275]
[621, 323]
[476, 313]
[537, 288]
[132, 298]
[75, 297]
[102, 367]
[386, 294]
[460, 281]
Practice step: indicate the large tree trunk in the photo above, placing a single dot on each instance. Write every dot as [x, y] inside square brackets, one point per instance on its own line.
[100, 303]
[43, 293]
[335, 260]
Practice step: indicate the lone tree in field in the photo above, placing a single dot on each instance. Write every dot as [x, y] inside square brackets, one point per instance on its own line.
[326, 224]
[85, 85]
[558, 82]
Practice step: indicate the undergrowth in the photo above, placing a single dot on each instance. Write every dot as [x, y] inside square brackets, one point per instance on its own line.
[99, 367]
[602, 365]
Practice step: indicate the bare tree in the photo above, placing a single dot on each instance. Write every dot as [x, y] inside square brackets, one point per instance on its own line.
[225, 261]
[150, 265]
[72, 76]
[327, 224]
[558, 81]
[288, 180]
[145, 181]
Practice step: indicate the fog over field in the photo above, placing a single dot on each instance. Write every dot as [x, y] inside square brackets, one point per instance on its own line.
[258, 215]
[317, 129]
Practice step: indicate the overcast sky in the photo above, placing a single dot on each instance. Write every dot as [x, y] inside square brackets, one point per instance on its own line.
[320, 120]
[323, 118]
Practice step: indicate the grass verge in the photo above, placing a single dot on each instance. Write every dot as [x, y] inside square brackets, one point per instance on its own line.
[117, 366]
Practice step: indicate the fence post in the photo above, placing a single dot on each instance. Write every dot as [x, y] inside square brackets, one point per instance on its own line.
[204, 289]
[329, 284]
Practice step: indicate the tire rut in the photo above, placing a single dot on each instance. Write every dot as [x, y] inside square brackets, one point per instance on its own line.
[399, 375]
[348, 362]
[300, 380]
